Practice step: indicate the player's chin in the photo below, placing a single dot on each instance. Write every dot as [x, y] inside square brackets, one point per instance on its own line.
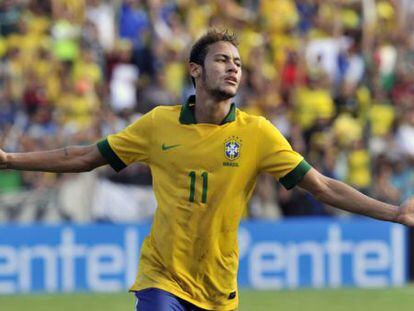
[224, 92]
[224, 95]
[228, 91]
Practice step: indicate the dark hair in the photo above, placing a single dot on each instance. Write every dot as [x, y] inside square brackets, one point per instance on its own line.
[200, 48]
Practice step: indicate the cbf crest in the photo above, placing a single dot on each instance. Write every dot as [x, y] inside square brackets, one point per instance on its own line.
[232, 147]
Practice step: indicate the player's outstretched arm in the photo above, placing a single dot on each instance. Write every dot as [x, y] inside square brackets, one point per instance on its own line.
[340, 195]
[69, 159]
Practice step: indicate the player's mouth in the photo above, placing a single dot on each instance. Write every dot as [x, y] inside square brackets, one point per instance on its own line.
[231, 80]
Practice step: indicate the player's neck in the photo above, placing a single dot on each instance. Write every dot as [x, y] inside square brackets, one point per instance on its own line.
[208, 110]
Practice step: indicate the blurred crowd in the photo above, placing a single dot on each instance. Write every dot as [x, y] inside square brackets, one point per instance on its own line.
[336, 78]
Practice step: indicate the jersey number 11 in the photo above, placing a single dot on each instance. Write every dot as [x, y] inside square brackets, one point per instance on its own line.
[204, 175]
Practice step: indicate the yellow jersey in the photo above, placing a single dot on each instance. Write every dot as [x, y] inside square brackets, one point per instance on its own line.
[203, 177]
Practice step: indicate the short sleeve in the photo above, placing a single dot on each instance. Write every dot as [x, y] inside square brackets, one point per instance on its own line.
[276, 157]
[130, 145]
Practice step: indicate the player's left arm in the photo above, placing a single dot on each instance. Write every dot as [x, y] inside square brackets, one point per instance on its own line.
[340, 195]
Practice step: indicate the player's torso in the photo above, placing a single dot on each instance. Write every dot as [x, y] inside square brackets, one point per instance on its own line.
[203, 164]
[203, 175]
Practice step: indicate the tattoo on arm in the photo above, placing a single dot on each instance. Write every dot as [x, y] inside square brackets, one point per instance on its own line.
[65, 150]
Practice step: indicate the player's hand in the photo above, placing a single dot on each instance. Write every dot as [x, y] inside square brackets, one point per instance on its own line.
[3, 158]
[406, 216]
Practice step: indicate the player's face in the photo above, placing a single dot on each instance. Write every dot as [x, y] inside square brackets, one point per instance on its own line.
[222, 70]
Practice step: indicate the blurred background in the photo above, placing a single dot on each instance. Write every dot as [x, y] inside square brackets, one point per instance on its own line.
[335, 77]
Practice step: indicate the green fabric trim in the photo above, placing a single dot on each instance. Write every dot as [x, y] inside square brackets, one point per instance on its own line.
[186, 115]
[295, 175]
[187, 112]
[231, 116]
[113, 160]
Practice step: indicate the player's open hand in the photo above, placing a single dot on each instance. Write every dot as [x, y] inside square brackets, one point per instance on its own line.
[406, 216]
[3, 156]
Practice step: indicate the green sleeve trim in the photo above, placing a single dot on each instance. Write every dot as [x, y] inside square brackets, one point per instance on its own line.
[295, 175]
[113, 160]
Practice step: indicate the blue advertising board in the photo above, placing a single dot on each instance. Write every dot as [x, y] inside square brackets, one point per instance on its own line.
[322, 253]
[284, 254]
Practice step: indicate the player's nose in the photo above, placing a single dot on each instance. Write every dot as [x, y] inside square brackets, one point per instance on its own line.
[232, 67]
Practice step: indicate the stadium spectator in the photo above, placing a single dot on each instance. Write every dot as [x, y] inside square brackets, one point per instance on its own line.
[102, 15]
[133, 21]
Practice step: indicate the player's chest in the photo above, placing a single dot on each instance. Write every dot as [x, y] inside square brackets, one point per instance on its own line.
[212, 150]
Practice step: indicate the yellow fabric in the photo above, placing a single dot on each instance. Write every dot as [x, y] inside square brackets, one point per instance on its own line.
[77, 110]
[278, 15]
[76, 9]
[249, 39]
[359, 170]
[198, 17]
[53, 87]
[280, 43]
[350, 18]
[385, 10]
[311, 105]
[381, 117]
[87, 71]
[28, 44]
[363, 95]
[192, 249]
[3, 46]
[175, 73]
[37, 24]
[46, 70]
[347, 129]
[16, 69]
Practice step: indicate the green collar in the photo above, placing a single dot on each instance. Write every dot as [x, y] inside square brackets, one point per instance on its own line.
[187, 112]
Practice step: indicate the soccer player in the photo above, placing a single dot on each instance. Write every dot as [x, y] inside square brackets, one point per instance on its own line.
[204, 156]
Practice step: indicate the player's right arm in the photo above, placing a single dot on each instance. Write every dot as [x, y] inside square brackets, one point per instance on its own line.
[119, 150]
[70, 159]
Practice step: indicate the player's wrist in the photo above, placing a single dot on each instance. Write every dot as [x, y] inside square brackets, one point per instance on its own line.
[396, 217]
[5, 163]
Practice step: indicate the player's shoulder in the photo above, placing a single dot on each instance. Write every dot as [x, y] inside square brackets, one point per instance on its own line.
[166, 109]
[257, 124]
[248, 118]
[161, 112]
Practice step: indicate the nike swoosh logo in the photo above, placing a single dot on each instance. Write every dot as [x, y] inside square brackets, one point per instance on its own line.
[165, 147]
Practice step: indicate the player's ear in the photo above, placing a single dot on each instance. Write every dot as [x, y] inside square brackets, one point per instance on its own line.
[195, 70]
